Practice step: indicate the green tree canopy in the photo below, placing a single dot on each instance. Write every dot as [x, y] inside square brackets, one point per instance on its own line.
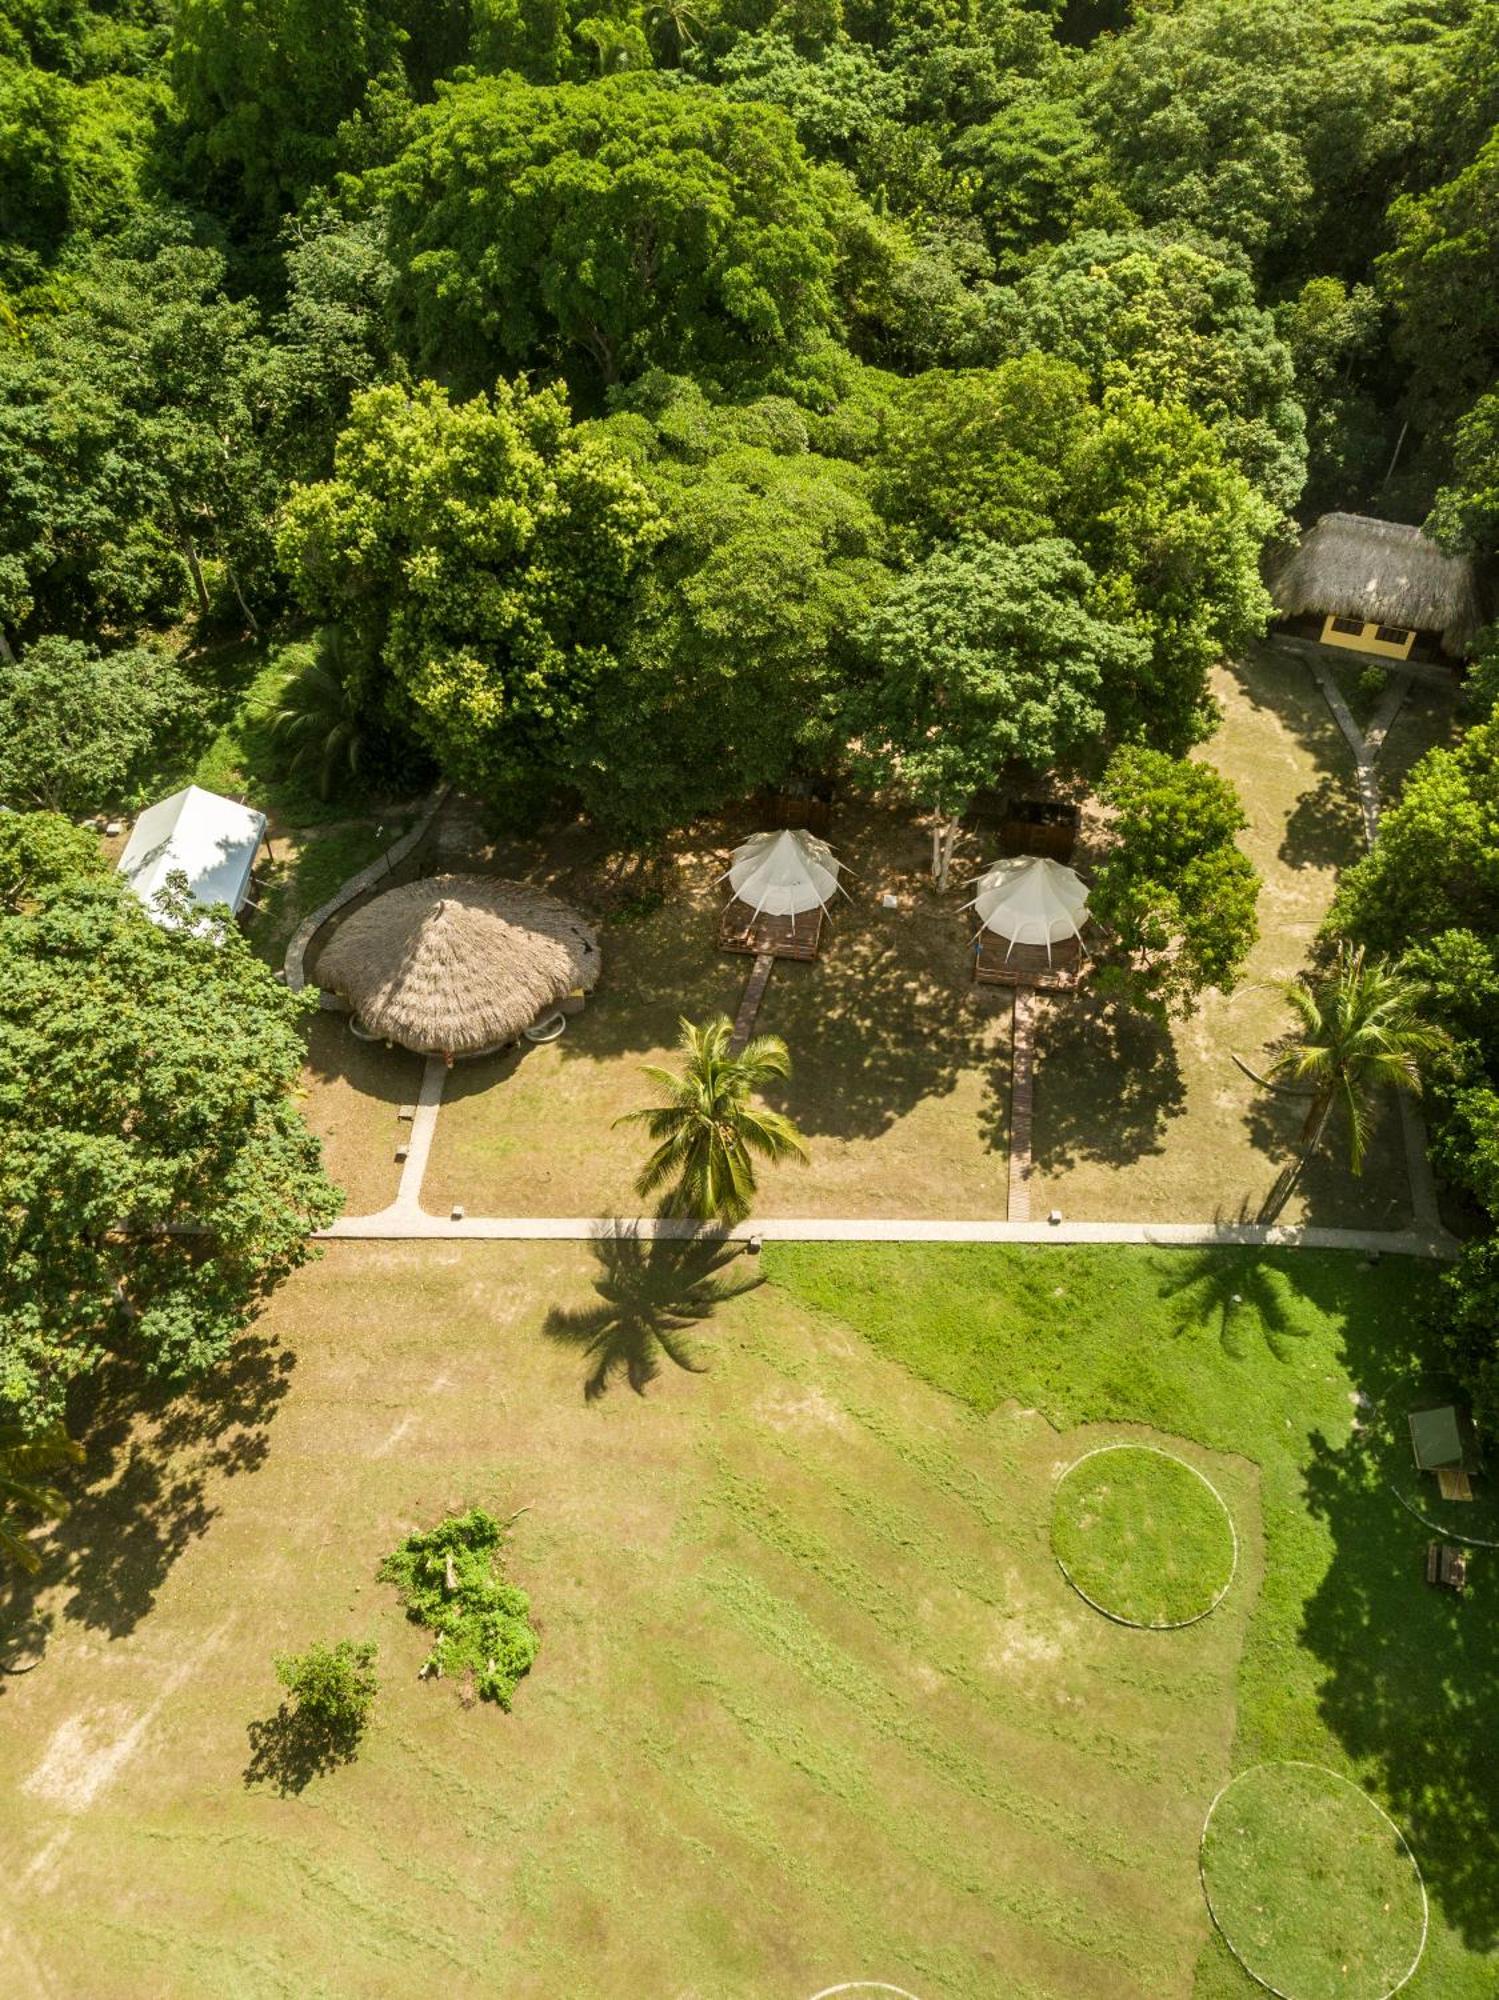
[978, 658]
[1173, 318]
[155, 1176]
[264, 86]
[1443, 277]
[1174, 888]
[78, 728]
[42, 853]
[129, 447]
[733, 675]
[607, 226]
[982, 451]
[482, 558]
[1435, 866]
[1175, 534]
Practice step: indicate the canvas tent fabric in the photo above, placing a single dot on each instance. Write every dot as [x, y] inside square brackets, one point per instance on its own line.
[1031, 900]
[784, 874]
[457, 964]
[1382, 573]
[1442, 1439]
[213, 841]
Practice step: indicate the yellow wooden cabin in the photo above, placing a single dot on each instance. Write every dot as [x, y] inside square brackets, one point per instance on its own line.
[1380, 588]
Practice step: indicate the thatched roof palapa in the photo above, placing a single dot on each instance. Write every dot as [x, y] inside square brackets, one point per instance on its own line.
[1383, 573]
[458, 963]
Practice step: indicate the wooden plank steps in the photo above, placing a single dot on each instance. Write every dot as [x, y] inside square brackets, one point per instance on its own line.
[749, 1004]
[1022, 1090]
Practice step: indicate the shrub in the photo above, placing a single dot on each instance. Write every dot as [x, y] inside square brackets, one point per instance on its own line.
[333, 1687]
[448, 1581]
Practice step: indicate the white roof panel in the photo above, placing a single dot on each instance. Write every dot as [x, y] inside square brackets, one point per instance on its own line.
[213, 841]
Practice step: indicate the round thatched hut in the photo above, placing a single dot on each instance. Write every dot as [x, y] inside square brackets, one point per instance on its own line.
[458, 964]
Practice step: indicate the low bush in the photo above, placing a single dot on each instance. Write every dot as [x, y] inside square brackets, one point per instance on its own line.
[448, 1581]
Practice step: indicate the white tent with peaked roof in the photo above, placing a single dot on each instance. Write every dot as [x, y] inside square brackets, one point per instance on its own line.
[211, 840]
[1031, 900]
[784, 874]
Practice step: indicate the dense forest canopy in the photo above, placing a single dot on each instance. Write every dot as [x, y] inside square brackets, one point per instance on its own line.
[622, 407]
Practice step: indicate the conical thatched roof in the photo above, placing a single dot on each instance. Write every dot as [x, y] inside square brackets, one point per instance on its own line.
[1351, 566]
[458, 963]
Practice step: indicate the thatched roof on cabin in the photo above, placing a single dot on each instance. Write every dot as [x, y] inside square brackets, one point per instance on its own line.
[458, 963]
[1385, 573]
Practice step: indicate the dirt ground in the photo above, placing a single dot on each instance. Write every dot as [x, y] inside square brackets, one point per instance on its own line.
[900, 1078]
[813, 1702]
[1139, 1122]
[902, 1071]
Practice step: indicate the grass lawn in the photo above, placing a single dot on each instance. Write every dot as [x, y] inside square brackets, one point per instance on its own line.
[813, 1701]
[1142, 1536]
[1140, 1122]
[1309, 1885]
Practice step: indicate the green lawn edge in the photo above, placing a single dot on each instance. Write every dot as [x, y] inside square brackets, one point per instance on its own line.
[1350, 1661]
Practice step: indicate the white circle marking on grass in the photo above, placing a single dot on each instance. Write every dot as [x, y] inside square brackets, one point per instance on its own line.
[1304, 1764]
[1142, 1624]
[863, 1986]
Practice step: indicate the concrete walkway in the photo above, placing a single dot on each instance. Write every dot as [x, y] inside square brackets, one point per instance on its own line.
[408, 1201]
[393, 1224]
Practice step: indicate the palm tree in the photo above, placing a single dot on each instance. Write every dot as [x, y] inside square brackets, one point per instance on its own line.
[673, 28]
[1361, 1032]
[323, 716]
[24, 1462]
[709, 1130]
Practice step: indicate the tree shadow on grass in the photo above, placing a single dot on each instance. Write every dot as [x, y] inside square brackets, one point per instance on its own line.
[1325, 827]
[651, 1292]
[1412, 1681]
[1108, 1084]
[1238, 1294]
[290, 1748]
[142, 1496]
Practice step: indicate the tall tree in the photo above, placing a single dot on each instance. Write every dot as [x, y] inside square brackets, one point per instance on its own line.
[710, 1131]
[980, 657]
[610, 226]
[264, 86]
[156, 1177]
[982, 451]
[80, 729]
[482, 559]
[129, 445]
[1172, 317]
[1174, 890]
[733, 674]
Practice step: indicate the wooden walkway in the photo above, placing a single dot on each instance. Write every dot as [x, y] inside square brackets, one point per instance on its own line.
[749, 1004]
[1022, 1086]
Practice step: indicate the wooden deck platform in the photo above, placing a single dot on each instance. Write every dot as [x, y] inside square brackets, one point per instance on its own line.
[997, 963]
[766, 936]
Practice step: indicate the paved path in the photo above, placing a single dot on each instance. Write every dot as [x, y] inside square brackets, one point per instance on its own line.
[408, 1199]
[394, 1225]
[1022, 1096]
[749, 1004]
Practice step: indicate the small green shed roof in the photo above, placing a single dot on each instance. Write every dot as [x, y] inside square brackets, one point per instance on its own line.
[1437, 1439]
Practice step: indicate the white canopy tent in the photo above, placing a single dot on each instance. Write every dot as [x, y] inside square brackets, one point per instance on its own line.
[784, 874]
[211, 840]
[1031, 900]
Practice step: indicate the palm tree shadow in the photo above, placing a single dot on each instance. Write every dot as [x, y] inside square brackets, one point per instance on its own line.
[651, 1292]
[1240, 1294]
